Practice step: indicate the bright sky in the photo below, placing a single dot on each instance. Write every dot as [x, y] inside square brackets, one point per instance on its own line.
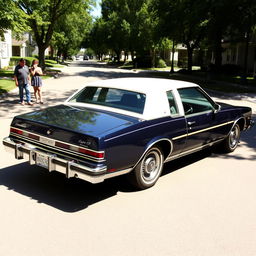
[96, 12]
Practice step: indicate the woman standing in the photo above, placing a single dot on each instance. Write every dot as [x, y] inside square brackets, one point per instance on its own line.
[36, 81]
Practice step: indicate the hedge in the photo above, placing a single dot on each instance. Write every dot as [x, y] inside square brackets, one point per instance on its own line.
[15, 60]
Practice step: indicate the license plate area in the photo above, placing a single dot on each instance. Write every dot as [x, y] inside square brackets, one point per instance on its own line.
[42, 160]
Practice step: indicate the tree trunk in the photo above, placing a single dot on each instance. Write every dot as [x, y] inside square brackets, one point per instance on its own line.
[52, 52]
[41, 55]
[218, 50]
[244, 76]
[190, 57]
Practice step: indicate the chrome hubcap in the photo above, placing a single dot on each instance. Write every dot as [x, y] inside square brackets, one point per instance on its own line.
[234, 137]
[151, 167]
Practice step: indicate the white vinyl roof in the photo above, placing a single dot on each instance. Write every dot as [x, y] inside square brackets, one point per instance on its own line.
[143, 85]
[155, 89]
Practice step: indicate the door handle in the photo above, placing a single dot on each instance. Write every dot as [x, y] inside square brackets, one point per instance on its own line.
[191, 123]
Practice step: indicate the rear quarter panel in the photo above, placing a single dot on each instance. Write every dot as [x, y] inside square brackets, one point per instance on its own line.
[124, 149]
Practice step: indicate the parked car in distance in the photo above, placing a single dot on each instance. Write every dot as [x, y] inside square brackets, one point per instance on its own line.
[86, 57]
[79, 57]
[126, 126]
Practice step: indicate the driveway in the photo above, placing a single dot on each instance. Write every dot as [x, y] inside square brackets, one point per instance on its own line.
[203, 204]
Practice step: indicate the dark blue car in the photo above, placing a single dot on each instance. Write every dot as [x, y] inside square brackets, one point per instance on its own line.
[126, 125]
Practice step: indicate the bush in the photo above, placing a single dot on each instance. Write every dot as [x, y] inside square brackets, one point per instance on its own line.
[161, 63]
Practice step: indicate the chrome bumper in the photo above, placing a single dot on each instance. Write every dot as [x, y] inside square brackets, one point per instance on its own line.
[54, 163]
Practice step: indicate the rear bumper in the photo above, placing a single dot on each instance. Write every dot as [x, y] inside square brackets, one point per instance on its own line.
[54, 163]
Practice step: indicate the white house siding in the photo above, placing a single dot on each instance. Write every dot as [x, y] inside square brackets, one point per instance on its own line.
[235, 54]
[6, 49]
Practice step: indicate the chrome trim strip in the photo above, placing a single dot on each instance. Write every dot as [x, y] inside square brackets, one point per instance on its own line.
[203, 130]
[37, 144]
[55, 147]
[192, 150]
[117, 173]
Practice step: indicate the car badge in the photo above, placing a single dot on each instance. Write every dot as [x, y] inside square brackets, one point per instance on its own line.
[49, 132]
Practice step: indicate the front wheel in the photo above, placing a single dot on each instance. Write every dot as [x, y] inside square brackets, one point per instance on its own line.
[231, 142]
[147, 172]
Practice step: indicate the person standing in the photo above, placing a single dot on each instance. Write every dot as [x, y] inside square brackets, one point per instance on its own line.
[36, 73]
[22, 80]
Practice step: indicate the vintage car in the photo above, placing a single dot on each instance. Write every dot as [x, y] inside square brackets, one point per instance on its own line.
[125, 126]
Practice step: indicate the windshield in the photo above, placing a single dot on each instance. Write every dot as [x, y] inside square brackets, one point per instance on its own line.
[111, 97]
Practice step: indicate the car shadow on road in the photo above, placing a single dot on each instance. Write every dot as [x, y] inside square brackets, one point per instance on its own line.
[70, 195]
[54, 189]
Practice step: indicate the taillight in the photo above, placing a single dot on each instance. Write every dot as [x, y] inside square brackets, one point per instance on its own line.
[91, 153]
[85, 151]
[18, 131]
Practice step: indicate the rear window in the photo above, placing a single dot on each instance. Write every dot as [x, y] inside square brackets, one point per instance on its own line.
[111, 97]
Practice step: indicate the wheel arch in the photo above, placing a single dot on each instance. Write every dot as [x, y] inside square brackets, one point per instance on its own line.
[165, 145]
[241, 122]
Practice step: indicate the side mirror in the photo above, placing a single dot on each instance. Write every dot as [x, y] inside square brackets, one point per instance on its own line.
[217, 108]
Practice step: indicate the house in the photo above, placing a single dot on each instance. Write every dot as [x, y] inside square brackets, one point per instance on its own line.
[24, 47]
[235, 53]
[6, 49]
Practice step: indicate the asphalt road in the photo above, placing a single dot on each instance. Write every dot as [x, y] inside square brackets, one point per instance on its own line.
[203, 204]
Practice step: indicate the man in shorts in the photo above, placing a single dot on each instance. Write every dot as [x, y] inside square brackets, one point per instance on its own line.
[22, 80]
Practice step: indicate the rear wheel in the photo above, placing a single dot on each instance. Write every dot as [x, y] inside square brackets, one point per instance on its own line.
[147, 172]
[231, 142]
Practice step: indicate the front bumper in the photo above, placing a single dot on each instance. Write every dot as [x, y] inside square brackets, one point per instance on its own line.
[54, 163]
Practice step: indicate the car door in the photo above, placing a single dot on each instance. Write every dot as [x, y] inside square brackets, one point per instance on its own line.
[199, 115]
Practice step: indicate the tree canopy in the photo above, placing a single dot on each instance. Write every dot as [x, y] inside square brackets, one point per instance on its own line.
[42, 17]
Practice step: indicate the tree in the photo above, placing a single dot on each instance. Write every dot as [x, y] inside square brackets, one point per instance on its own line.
[130, 25]
[71, 32]
[10, 17]
[98, 38]
[42, 17]
[183, 21]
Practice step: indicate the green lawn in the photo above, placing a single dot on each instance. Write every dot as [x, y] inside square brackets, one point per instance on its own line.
[6, 85]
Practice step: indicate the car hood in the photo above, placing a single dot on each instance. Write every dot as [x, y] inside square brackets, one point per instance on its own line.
[225, 106]
[82, 120]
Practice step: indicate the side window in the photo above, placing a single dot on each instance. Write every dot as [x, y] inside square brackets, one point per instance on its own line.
[172, 103]
[194, 101]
